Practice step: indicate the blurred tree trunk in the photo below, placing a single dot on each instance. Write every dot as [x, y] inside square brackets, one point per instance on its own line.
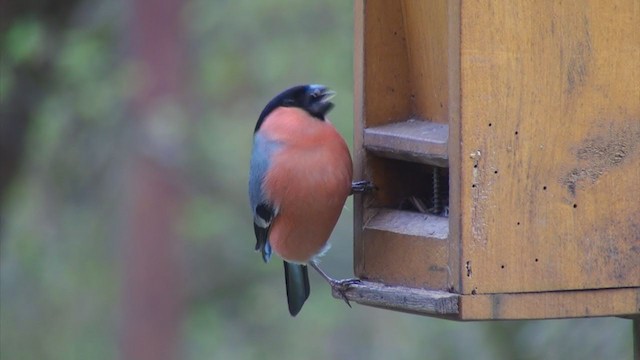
[31, 80]
[152, 250]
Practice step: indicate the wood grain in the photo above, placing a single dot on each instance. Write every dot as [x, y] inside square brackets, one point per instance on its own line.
[551, 305]
[426, 31]
[400, 259]
[454, 146]
[413, 140]
[384, 67]
[424, 302]
[550, 173]
[359, 155]
[406, 248]
[522, 306]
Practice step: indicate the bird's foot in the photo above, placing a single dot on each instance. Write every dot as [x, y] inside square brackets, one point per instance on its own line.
[362, 186]
[341, 287]
[337, 286]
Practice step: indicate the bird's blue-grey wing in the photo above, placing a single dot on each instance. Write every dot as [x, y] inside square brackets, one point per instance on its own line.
[263, 210]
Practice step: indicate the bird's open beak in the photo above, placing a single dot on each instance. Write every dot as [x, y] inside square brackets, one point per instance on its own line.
[323, 104]
[327, 95]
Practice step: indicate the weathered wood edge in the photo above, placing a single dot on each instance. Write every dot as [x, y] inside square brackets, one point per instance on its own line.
[359, 154]
[426, 302]
[555, 304]
[409, 223]
[413, 140]
[551, 304]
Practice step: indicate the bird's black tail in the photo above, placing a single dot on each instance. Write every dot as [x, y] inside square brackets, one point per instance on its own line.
[297, 282]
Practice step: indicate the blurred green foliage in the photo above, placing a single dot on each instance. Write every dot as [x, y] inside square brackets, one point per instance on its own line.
[62, 221]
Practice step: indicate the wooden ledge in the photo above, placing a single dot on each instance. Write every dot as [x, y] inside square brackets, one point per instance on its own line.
[413, 140]
[420, 301]
[409, 223]
[623, 302]
[551, 304]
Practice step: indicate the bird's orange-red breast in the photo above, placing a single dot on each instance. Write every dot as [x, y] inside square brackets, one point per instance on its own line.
[309, 182]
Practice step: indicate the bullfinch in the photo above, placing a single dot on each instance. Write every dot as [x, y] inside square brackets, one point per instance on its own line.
[299, 179]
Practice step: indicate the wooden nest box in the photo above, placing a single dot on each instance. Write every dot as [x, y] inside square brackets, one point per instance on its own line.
[504, 139]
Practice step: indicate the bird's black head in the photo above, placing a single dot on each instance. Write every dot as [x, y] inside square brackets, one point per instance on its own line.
[314, 99]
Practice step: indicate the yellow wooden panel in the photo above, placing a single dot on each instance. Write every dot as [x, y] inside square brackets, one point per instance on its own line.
[550, 128]
[549, 305]
[358, 130]
[381, 92]
[397, 259]
[385, 70]
[405, 62]
[426, 29]
[454, 148]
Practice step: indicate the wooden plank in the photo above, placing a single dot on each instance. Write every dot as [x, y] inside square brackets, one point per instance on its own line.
[419, 301]
[426, 30]
[413, 140]
[406, 248]
[454, 148]
[519, 306]
[381, 96]
[359, 154]
[397, 259]
[385, 71]
[409, 223]
[550, 146]
[550, 305]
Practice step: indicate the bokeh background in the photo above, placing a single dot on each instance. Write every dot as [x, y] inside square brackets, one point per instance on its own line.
[125, 230]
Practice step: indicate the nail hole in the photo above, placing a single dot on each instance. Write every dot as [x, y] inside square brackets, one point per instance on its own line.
[575, 206]
[473, 292]
[536, 259]
[474, 185]
[475, 166]
[490, 124]
[495, 172]
[518, 223]
[501, 266]
[544, 188]
[516, 133]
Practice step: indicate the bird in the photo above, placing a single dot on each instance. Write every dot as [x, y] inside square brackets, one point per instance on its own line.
[300, 176]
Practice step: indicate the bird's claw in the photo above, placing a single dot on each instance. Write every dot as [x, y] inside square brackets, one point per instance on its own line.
[363, 186]
[341, 287]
